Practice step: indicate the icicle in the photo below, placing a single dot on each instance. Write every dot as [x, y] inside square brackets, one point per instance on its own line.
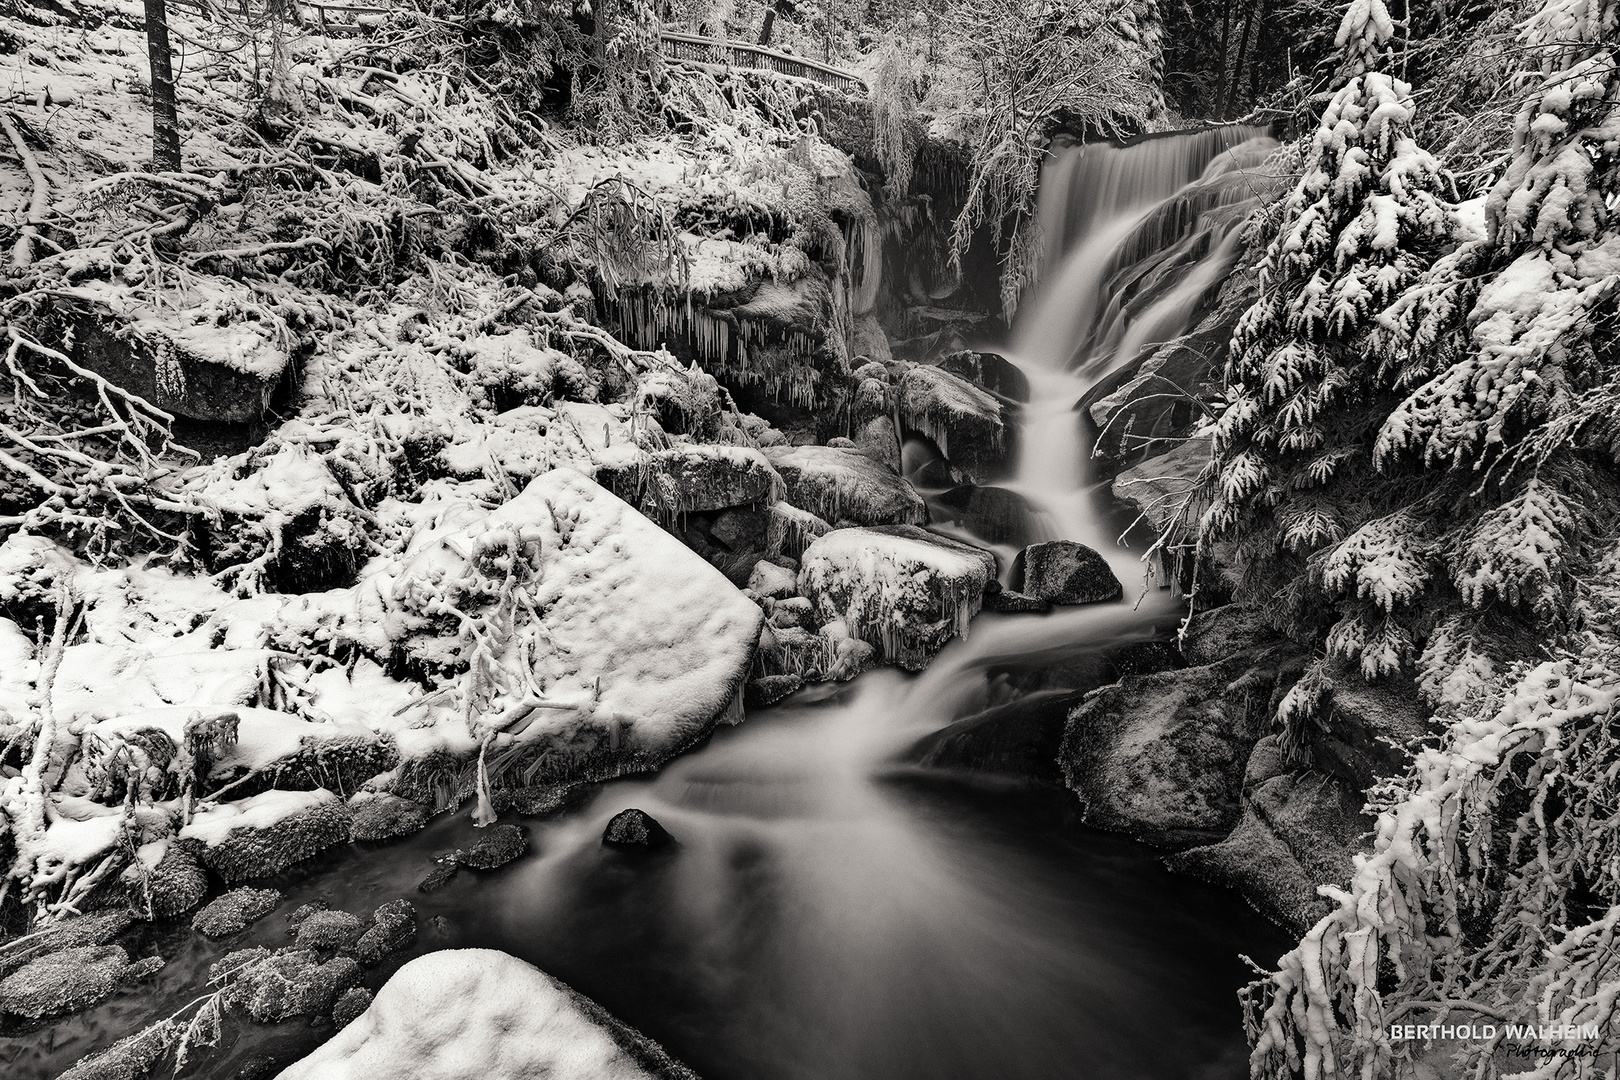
[485, 814]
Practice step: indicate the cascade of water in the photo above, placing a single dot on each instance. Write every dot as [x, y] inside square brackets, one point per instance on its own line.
[1138, 237]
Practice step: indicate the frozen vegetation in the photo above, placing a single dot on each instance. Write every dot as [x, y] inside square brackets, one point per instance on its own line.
[409, 411]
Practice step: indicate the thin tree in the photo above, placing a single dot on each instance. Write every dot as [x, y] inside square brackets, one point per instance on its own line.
[165, 118]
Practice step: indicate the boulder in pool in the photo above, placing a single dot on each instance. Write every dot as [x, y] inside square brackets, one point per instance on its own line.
[479, 1014]
[64, 981]
[497, 846]
[393, 927]
[837, 485]
[901, 589]
[1064, 572]
[635, 829]
[234, 911]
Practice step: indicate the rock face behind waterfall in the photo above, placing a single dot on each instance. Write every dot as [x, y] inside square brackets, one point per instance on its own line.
[903, 590]
[478, 1014]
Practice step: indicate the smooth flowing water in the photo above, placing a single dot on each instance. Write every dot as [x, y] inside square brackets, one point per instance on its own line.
[828, 914]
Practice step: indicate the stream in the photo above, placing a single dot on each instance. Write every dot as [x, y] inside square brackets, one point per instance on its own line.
[827, 912]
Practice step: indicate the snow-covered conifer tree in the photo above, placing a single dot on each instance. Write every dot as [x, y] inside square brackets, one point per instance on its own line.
[1307, 394]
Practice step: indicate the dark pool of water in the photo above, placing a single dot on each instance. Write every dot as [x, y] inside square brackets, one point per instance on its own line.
[893, 930]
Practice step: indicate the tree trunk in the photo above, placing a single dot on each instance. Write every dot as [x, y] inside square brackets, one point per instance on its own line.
[1231, 91]
[165, 119]
[766, 26]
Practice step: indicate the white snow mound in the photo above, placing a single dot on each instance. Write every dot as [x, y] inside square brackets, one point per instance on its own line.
[470, 1014]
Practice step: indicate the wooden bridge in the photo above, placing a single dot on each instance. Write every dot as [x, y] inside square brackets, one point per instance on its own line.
[338, 17]
[690, 48]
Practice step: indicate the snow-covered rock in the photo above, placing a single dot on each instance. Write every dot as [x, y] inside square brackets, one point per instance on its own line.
[617, 645]
[689, 477]
[266, 833]
[845, 485]
[789, 530]
[901, 589]
[478, 1014]
[208, 350]
[964, 421]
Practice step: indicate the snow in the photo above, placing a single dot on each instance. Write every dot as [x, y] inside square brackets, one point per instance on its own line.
[470, 1014]
[207, 319]
[624, 626]
[214, 824]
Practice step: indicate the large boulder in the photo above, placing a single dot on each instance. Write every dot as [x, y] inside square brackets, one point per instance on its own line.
[839, 485]
[1299, 830]
[996, 515]
[901, 589]
[234, 911]
[64, 981]
[206, 350]
[1017, 742]
[1162, 756]
[964, 421]
[993, 372]
[1064, 572]
[478, 1014]
[641, 645]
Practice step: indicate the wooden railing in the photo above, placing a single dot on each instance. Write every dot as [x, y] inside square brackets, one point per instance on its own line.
[738, 54]
[340, 17]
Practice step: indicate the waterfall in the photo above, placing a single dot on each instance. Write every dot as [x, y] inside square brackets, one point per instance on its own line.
[1137, 240]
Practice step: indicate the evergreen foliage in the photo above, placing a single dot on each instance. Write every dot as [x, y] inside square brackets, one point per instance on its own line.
[1421, 430]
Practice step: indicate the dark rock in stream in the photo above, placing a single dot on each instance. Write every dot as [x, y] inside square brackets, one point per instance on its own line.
[635, 829]
[272, 986]
[441, 876]
[990, 371]
[498, 845]
[235, 911]
[383, 817]
[328, 931]
[769, 689]
[393, 928]
[95, 929]
[65, 981]
[1014, 603]
[131, 1058]
[1017, 742]
[176, 884]
[1064, 572]
[995, 515]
